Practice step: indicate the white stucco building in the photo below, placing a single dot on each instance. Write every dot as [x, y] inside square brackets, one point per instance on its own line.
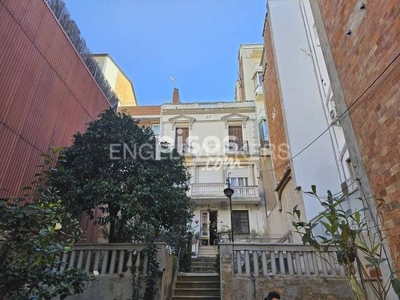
[318, 152]
[220, 141]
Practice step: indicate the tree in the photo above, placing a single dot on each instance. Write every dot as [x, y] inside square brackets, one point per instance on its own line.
[359, 242]
[120, 168]
[32, 237]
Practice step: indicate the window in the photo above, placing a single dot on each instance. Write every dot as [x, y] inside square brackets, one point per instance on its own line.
[263, 129]
[239, 181]
[258, 79]
[240, 219]
[181, 137]
[156, 129]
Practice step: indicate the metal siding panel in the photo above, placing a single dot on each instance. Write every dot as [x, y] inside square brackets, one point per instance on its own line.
[46, 92]
[17, 8]
[33, 16]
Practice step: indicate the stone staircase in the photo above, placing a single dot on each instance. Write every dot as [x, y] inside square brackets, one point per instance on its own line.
[192, 286]
[208, 251]
[203, 282]
[203, 265]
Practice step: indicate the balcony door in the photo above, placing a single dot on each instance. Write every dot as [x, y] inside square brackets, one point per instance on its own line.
[181, 136]
[235, 138]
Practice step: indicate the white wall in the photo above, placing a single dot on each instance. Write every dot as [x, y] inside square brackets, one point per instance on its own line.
[302, 106]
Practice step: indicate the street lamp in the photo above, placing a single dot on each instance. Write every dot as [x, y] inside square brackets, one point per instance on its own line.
[229, 192]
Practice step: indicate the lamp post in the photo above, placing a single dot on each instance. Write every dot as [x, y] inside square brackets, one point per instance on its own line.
[228, 193]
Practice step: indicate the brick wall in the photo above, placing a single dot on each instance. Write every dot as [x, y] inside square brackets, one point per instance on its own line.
[273, 105]
[368, 67]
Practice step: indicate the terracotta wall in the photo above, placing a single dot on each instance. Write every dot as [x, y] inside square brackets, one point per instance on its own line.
[273, 106]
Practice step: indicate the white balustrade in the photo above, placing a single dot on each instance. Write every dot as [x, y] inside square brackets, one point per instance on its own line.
[284, 260]
[204, 190]
[105, 258]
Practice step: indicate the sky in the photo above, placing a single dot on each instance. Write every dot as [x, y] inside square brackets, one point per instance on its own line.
[194, 42]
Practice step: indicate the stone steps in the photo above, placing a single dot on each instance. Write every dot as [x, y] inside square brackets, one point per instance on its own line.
[191, 286]
[203, 265]
[208, 251]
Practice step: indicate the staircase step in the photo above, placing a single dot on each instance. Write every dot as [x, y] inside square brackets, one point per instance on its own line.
[197, 292]
[196, 297]
[198, 284]
[191, 286]
[212, 276]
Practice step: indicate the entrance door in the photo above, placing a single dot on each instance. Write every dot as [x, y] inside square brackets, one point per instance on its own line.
[213, 227]
[204, 230]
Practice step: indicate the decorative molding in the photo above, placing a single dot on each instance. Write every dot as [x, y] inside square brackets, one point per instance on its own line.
[201, 111]
[182, 119]
[235, 117]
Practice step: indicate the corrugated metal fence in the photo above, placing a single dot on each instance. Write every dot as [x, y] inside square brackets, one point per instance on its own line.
[46, 92]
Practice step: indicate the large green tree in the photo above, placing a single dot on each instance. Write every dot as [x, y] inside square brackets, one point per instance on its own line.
[120, 167]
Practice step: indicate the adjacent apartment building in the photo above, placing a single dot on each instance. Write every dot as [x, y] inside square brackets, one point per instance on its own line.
[119, 82]
[306, 136]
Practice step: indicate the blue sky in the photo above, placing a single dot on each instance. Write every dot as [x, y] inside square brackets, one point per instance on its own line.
[195, 42]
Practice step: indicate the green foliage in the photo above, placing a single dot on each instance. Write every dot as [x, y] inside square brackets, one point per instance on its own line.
[32, 237]
[141, 196]
[355, 239]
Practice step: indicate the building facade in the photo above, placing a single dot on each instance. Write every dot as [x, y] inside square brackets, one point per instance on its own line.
[307, 139]
[220, 142]
[117, 79]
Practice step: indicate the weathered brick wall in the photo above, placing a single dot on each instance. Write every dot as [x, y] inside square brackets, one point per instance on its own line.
[273, 105]
[368, 66]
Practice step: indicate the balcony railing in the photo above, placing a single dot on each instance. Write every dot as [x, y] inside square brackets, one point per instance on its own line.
[207, 190]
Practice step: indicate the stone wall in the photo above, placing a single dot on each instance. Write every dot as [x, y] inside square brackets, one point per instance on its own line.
[293, 287]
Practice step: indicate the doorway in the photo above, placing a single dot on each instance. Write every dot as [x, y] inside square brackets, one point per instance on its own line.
[213, 227]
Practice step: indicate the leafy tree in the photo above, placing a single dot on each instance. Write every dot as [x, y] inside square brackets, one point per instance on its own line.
[119, 167]
[358, 241]
[32, 237]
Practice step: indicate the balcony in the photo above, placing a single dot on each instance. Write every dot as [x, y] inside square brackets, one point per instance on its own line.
[210, 191]
[234, 147]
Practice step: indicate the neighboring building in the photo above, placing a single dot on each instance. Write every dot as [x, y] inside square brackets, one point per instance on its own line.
[46, 93]
[360, 42]
[117, 79]
[249, 86]
[219, 141]
[300, 108]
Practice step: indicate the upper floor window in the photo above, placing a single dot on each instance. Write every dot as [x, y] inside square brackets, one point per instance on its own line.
[156, 129]
[181, 138]
[236, 142]
[258, 80]
[263, 129]
[239, 181]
